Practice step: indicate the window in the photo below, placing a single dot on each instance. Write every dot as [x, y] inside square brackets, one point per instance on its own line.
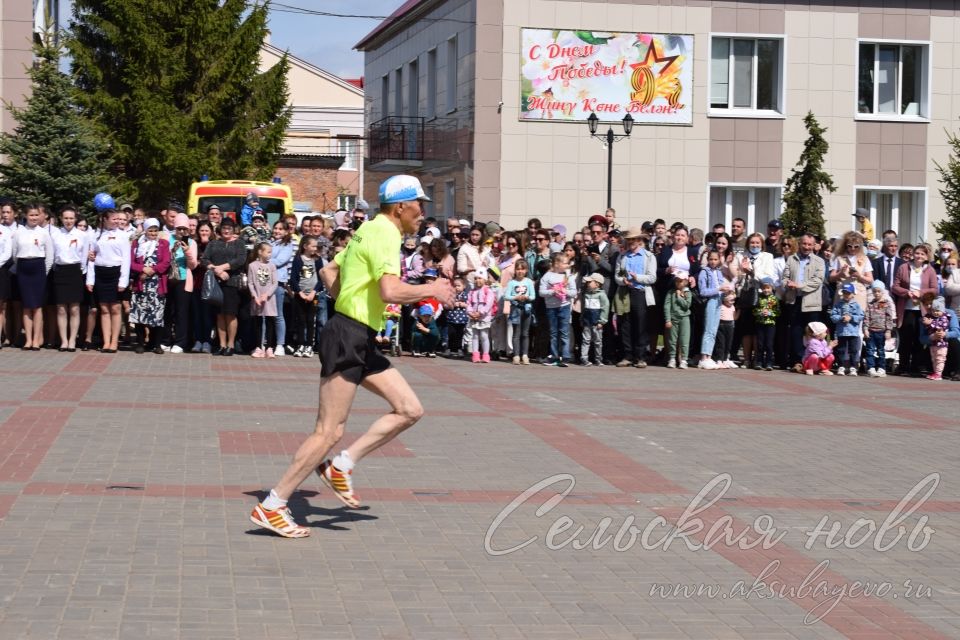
[429, 208]
[347, 202]
[452, 74]
[413, 89]
[432, 83]
[398, 93]
[347, 149]
[449, 198]
[902, 211]
[385, 96]
[758, 205]
[746, 76]
[892, 80]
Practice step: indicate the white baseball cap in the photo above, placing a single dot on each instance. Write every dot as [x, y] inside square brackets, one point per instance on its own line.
[402, 188]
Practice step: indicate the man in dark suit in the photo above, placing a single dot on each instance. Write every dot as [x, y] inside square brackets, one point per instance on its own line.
[886, 264]
[602, 258]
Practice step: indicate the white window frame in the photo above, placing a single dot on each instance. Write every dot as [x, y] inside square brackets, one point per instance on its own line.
[346, 201]
[895, 214]
[429, 207]
[926, 98]
[413, 88]
[751, 202]
[432, 84]
[398, 92]
[740, 112]
[452, 60]
[450, 199]
[347, 147]
[385, 95]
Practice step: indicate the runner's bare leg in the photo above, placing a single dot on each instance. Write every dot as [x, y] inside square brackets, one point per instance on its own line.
[407, 410]
[336, 398]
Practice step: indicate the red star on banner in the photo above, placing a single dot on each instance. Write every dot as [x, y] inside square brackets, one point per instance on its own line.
[652, 52]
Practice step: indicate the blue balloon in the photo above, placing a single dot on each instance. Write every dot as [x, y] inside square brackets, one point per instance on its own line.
[103, 201]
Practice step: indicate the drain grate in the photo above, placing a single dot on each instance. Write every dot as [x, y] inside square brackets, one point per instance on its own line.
[122, 487]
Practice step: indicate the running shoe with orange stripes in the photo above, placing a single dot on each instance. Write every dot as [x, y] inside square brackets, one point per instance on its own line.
[280, 521]
[340, 482]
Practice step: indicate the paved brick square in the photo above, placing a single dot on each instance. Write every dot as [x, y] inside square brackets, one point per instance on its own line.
[530, 502]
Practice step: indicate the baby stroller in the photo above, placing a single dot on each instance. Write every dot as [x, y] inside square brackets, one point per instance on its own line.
[891, 351]
[389, 338]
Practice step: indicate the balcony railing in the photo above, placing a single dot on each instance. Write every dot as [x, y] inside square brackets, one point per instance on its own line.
[396, 138]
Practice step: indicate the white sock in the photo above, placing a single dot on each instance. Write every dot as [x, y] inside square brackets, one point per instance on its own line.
[273, 501]
[343, 462]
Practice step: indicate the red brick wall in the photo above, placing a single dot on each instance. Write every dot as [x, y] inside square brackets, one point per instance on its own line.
[311, 185]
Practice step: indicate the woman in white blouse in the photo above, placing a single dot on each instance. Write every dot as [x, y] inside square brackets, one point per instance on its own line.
[33, 252]
[108, 274]
[69, 263]
[755, 265]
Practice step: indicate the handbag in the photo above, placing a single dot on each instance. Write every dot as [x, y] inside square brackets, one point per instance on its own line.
[210, 291]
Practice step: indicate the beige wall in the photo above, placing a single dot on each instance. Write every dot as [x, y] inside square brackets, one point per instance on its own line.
[945, 83]
[556, 171]
[821, 54]
[325, 107]
[16, 32]
[306, 88]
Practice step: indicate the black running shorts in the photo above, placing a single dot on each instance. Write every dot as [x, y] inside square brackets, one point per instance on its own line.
[349, 348]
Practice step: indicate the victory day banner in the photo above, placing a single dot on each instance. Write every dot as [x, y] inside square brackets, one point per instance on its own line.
[567, 75]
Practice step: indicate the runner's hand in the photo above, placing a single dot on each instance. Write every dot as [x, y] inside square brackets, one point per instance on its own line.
[444, 292]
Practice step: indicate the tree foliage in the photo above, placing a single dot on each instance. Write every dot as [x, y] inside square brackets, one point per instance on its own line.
[803, 204]
[949, 227]
[175, 86]
[54, 156]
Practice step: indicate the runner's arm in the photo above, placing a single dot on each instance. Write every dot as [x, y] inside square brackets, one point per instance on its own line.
[395, 291]
[330, 275]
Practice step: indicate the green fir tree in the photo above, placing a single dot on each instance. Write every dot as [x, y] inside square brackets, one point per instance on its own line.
[54, 156]
[803, 204]
[175, 86]
[949, 227]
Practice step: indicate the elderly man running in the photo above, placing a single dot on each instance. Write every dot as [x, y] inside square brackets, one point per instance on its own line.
[363, 278]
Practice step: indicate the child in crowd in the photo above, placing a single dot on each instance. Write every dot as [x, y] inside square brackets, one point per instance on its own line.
[847, 315]
[558, 290]
[765, 312]
[519, 294]
[880, 318]
[728, 317]
[818, 354]
[305, 284]
[481, 303]
[426, 335]
[594, 311]
[676, 311]
[712, 284]
[457, 318]
[936, 321]
[391, 323]
[262, 283]
[429, 277]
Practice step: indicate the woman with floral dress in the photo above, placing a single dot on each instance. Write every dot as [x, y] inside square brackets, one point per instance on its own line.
[149, 264]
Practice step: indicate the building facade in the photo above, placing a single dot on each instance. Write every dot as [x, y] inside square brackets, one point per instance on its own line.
[323, 149]
[455, 77]
[17, 19]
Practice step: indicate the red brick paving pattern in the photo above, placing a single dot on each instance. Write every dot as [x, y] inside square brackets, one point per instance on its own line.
[286, 443]
[25, 438]
[28, 433]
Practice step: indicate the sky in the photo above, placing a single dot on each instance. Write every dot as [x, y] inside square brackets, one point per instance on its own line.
[327, 41]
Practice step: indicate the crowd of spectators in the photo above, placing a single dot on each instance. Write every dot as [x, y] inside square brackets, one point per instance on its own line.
[595, 295]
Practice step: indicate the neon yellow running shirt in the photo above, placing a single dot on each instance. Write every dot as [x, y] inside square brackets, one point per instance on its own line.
[373, 252]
